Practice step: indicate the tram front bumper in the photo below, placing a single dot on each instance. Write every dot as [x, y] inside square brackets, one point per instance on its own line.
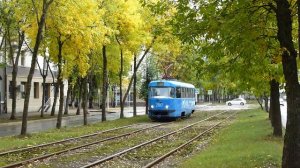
[161, 114]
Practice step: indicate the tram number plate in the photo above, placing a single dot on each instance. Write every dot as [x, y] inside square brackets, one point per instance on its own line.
[159, 104]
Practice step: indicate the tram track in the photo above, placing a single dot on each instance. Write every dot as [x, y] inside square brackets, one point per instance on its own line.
[115, 155]
[24, 162]
[116, 139]
[161, 158]
[63, 141]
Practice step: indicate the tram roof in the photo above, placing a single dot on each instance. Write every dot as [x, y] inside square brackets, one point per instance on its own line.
[171, 83]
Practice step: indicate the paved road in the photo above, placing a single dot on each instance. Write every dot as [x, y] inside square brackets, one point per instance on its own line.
[10, 129]
[283, 109]
[226, 107]
[14, 128]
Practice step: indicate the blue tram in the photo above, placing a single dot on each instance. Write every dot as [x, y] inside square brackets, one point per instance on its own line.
[170, 99]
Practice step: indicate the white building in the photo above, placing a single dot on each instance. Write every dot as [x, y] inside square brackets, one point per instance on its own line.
[36, 94]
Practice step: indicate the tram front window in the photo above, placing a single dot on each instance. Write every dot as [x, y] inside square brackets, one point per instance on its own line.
[162, 92]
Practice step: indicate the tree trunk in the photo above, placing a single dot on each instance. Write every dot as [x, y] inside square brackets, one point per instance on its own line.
[134, 86]
[73, 96]
[56, 91]
[38, 40]
[90, 93]
[84, 100]
[137, 67]
[60, 84]
[298, 11]
[68, 97]
[5, 75]
[104, 85]
[260, 102]
[148, 80]
[266, 100]
[275, 108]
[15, 72]
[121, 84]
[79, 96]
[291, 150]
[44, 75]
[43, 96]
[61, 105]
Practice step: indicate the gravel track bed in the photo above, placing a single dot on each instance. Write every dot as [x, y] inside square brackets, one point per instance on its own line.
[19, 156]
[140, 157]
[137, 158]
[195, 147]
[143, 156]
[98, 151]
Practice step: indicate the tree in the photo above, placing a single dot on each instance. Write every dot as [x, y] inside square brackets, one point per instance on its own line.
[104, 84]
[291, 150]
[265, 20]
[84, 102]
[39, 13]
[44, 74]
[275, 108]
[151, 73]
[156, 18]
[70, 37]
[13, 33]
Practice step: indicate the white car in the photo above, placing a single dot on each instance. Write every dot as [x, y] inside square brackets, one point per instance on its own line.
[237, 101]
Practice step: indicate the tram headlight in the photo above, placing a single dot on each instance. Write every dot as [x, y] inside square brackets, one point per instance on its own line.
[152, 106]
[167, 106]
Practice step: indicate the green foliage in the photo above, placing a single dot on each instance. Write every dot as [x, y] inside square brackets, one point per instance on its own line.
[151, 73]
[234, 42]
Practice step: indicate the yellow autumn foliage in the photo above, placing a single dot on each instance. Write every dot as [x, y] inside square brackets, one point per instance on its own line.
[78, 25]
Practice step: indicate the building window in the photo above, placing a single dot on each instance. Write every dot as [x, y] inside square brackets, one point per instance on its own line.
[54, 67]
[22, 60]
[36, 90]
[22, 89]
[23, 52]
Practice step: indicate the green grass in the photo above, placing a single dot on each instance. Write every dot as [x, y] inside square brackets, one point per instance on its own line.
[6, 119]
[246, 143]
[8, 143]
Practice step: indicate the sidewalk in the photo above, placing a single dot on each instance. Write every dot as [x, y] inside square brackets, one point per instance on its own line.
[39, 125]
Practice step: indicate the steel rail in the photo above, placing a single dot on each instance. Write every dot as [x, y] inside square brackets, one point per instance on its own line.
[146, 143]
[161, 158]
[64, 140]
[78, 147]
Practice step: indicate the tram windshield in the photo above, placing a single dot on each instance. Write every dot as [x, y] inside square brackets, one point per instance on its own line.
[162, 92]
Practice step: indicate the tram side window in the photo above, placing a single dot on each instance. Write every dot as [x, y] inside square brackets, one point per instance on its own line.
[182, 93]
[172, 92]
[178, 92]
[185, 92]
